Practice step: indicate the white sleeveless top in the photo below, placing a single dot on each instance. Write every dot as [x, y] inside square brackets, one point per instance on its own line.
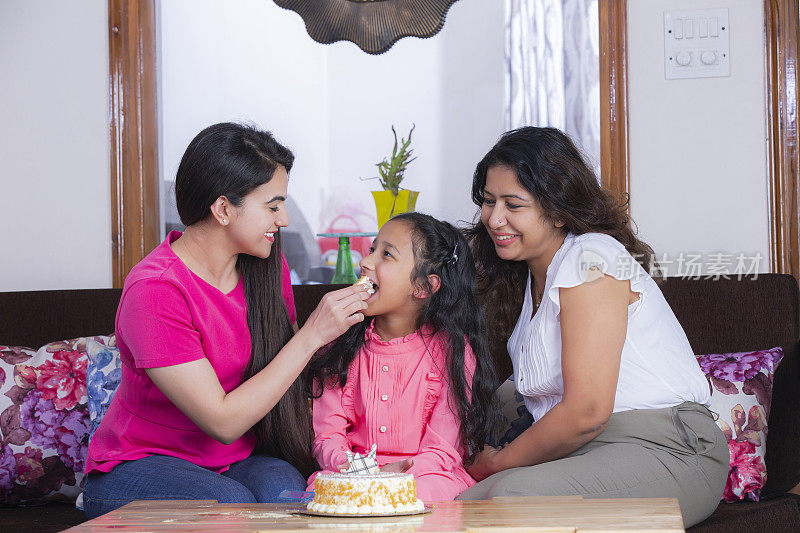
[658, 368]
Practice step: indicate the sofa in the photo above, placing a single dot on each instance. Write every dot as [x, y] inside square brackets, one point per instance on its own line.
[719, 316]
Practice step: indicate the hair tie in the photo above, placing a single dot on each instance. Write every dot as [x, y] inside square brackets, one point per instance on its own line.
[454, 256]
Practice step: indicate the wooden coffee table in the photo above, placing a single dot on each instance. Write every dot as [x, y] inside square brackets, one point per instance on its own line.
[561, 514]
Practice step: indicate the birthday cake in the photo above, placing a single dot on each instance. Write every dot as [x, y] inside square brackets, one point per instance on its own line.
[367, 493]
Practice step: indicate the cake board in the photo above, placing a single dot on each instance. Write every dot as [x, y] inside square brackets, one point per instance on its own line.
[427, 509]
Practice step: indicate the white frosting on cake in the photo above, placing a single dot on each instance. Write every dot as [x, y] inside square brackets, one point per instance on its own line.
[366, 282]
[381, 493]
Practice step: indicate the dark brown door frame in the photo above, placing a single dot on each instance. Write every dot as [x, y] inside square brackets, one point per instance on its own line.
[614, 164]
[783, 156]
[134, 126]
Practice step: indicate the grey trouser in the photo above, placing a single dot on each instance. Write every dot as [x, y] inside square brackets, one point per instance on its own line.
[674, 452]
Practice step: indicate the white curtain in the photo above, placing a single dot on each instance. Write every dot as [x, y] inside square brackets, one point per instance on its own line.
[552, 69]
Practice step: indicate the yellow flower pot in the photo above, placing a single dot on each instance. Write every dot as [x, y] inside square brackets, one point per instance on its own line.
[387, 204]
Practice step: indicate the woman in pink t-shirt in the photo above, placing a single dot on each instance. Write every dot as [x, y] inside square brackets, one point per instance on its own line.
[210, 405]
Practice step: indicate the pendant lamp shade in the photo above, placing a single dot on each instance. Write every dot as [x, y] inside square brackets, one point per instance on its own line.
[373, 25]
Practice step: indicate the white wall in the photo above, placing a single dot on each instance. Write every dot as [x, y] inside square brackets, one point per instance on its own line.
[697, 146]
[243, 60]
[334, 104]
[55, 223]
[472, 103]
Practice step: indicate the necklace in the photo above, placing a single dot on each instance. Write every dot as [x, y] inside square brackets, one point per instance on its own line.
[536, 297]
[536, 294]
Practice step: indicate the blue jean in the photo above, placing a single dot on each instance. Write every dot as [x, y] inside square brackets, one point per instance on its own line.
[257, 479]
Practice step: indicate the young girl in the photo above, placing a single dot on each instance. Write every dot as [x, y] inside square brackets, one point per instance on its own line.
[416, 379]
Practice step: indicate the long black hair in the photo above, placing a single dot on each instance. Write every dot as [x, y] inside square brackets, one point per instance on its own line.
[551, 168]
[451, 311]
[231, 160]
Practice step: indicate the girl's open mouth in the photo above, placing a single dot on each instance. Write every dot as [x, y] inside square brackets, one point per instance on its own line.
[374, 291]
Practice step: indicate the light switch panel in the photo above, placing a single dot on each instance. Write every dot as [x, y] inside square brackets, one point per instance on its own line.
[696, 43]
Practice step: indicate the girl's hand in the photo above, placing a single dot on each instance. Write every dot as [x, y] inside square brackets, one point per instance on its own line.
[399, 467]
[485, 464]
[336, 312]
[344, 466]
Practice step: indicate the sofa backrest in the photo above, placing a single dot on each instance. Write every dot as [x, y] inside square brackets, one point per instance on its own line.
[718, 316]
[35, 318]
[729, 315]
[725, 316]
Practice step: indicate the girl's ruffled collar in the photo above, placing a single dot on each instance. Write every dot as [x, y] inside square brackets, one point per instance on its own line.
[414, 338]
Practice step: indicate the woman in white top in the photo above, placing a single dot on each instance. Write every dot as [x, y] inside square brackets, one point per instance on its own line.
[606, 371]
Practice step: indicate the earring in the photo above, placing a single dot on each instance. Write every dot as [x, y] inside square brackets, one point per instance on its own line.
[224, 220]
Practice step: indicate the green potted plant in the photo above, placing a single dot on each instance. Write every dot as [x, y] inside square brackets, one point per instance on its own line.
[392, 199]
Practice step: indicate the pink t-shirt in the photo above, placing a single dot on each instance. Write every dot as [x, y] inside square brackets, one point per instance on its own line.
[167, 316]
[396, 396]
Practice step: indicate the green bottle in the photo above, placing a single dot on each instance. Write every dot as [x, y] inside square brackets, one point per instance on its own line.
[344, 264]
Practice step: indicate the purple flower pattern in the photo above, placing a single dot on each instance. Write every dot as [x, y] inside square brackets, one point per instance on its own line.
[8, 470]
[73, 440]
[40, 417]
[736, 366]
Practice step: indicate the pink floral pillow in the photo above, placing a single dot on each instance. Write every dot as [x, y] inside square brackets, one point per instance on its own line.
[44, 421]
[741, 395]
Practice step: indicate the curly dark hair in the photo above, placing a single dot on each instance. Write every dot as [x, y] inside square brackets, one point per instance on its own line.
[452, 312]
[551, 168]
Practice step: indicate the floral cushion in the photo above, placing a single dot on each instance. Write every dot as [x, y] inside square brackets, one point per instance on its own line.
[741, 395]
[44, 423]
[103, 377]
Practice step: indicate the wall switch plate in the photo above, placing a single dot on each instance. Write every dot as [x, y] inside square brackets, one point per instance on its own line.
[696, 43]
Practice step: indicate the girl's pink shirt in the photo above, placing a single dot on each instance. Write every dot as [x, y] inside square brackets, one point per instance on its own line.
[396, 395]
[167, 316]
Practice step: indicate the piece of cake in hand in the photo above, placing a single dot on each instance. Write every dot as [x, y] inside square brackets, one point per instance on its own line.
[368, 283]
[364, 494]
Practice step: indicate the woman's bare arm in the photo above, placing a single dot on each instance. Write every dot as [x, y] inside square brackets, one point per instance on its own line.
[195, 389]
[594, 319]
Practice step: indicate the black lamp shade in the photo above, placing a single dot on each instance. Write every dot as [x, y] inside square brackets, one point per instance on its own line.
[373, 25]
